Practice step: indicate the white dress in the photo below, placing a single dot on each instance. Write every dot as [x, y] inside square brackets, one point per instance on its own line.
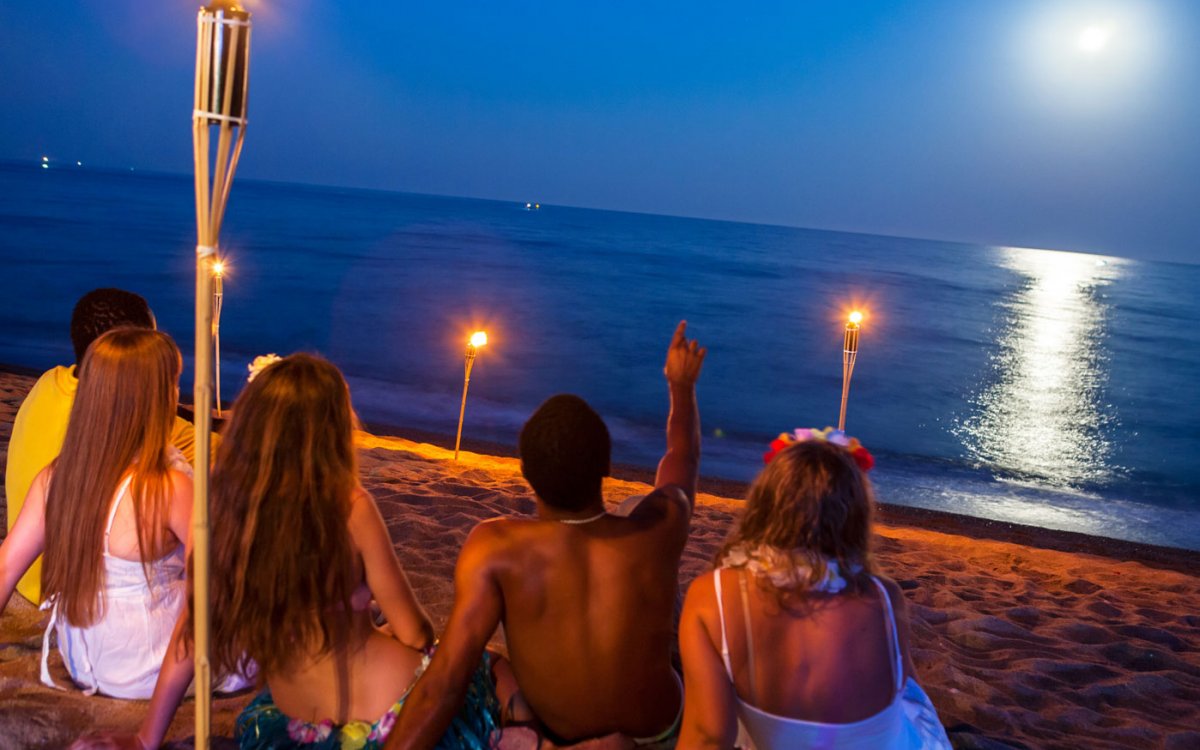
[909, 722]
[121, 653]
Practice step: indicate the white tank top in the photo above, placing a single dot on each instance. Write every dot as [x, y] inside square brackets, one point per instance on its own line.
[886, 730]
[121, 654]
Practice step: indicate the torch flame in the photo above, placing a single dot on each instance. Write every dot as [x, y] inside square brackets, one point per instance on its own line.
[218, 268]
[479, 338]
[856, 317]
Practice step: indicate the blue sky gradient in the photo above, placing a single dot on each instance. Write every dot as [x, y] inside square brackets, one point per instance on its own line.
[971, 120]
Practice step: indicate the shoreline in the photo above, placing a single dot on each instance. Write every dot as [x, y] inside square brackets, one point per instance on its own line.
[1168, 558]
[1178, 559]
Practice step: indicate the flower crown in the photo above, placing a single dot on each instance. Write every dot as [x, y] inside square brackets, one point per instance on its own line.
[260, 363]
[861, 455]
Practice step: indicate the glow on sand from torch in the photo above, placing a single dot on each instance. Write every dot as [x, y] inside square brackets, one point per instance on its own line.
[478, 339]
[849, 353]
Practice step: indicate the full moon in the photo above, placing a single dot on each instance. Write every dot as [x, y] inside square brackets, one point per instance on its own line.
[1093, 38]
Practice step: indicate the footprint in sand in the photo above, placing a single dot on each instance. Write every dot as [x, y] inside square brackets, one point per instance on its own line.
[33, 722]
[1074, 673]
[1104, 609]
[1082, 586]
[1025, 615]
[1142, 659]
[1086, 633]
[1154, 635]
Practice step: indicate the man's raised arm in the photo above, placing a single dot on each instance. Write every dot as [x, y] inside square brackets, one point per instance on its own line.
[680, 465]
[439, 693]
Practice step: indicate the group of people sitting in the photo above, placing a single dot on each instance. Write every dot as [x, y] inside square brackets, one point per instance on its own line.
[793, 640]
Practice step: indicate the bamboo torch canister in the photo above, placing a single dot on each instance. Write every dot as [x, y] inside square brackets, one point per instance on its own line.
[222, 67]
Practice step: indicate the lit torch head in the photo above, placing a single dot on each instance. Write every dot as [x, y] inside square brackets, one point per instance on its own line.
[852, 327]
[478, 339]
[218, 276]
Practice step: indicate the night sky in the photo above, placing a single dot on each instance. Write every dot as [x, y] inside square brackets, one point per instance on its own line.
[1067, 125]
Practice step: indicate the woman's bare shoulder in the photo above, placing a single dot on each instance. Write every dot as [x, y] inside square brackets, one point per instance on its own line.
[701, 594]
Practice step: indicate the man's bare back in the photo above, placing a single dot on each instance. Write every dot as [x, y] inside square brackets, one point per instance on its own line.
[589, 612]
[586, 597]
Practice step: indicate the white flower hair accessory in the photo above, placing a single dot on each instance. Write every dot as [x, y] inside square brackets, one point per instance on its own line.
[780, 568]
[260, 363]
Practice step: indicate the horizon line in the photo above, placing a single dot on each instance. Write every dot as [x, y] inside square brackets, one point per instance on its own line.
[66, 163]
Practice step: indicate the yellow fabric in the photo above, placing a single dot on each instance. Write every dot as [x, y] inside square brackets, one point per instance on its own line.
[37, 438]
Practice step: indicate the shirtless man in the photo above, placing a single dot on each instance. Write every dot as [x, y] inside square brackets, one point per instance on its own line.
[586, 597]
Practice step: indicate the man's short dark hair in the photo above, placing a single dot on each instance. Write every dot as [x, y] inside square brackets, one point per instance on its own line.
[102, 310]
[565, 452]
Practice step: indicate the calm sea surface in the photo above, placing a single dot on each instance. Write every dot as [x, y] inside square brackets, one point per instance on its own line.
[1047, 388]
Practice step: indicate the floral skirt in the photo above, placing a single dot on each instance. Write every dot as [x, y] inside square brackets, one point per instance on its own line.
[262, 726]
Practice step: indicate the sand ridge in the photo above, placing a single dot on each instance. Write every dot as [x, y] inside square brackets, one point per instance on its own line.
[1019, 646]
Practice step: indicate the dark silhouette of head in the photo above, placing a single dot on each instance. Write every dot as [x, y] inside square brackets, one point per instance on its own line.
[565, 452]
[102, 310]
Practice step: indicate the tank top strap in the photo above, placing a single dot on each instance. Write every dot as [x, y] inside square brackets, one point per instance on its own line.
[112, 511]
[893, 635]
[721, 616]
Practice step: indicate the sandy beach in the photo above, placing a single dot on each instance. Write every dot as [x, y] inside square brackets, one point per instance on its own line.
[1022, 637]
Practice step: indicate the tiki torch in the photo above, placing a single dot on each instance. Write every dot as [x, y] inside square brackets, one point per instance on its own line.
[849, 352]
[222, 63]
[478, 339]
[218, 270]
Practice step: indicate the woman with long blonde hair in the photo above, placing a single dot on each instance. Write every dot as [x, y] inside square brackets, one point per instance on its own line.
[111, 515]
[795, 635]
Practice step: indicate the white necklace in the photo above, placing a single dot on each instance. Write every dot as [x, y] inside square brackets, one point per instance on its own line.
[581, 521]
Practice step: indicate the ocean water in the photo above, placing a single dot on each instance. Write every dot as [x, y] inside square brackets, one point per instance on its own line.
[1046, 388]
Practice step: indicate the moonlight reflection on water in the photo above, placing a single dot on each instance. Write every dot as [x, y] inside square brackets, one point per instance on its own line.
[1042, 416]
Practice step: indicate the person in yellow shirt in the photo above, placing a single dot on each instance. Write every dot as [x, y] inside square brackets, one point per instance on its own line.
[41, 422]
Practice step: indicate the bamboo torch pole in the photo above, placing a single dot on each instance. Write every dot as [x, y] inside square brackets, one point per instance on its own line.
[849, 354]
[478, 339]
[222, 64]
